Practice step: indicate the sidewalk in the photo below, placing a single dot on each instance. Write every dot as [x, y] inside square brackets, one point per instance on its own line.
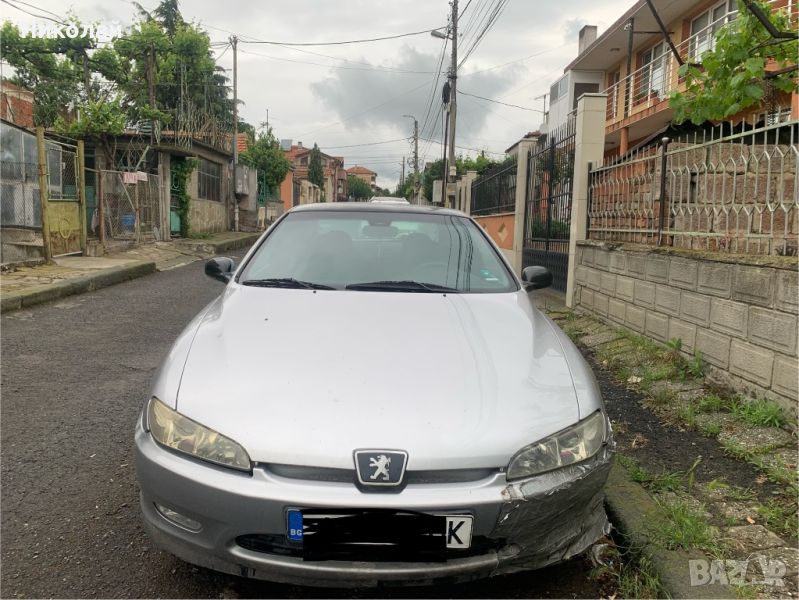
[26, 286]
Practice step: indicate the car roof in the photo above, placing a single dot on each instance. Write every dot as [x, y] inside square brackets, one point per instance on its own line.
[375, 207]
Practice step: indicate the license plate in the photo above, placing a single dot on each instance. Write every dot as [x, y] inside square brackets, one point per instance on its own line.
[380, 527]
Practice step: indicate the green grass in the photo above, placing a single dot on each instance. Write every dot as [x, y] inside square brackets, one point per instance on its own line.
[779, 516]
[712, 403]
[684, 529]
[711, 429]
[632, 574]
[760, 413]
[639, 580]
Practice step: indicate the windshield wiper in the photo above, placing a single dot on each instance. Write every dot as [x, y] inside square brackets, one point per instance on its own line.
[286, 282]
[400, 286]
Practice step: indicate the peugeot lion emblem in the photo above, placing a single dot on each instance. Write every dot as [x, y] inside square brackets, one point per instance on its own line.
[380, 467]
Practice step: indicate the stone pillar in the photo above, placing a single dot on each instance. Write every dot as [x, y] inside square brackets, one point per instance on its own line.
[589, 146]
[466, 187]
[521, 201]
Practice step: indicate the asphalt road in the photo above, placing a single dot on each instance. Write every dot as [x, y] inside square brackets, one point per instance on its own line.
[74, 377]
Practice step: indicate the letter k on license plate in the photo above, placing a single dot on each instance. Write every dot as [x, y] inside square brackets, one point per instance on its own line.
[459, 531]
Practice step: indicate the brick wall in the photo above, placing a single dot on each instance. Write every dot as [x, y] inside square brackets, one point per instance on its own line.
[740, 312]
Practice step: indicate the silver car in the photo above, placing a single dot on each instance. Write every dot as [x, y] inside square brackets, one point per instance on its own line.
[373, 398]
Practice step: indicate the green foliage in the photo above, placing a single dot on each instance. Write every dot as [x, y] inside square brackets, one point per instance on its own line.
[161, 49]
[95, 120]
[732, 76]
[685, 529]
[760, 413]
[357, 188]
[266, 156]
[435, 170]
[315, 173]
[181, 170]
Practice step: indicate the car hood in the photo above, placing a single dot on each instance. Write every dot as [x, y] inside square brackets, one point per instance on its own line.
[304, 378]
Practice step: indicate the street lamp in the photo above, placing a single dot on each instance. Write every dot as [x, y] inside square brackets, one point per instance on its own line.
[437, 34]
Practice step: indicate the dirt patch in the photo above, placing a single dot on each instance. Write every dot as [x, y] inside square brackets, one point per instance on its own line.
[671, 448]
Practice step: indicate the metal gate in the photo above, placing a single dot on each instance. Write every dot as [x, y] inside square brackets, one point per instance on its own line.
[547, 214]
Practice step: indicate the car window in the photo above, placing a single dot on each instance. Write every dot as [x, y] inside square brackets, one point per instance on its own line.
[355, 247]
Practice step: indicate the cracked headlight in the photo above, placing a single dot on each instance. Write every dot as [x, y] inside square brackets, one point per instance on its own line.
[572, 445]
[171, 429]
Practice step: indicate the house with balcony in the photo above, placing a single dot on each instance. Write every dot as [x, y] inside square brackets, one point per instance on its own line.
[364, 174]
[634, 65]
[335, 187]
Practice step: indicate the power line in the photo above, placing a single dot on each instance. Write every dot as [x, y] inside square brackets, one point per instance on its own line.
[368, 144]
[305, 62]
[498, 102]
[341, 43]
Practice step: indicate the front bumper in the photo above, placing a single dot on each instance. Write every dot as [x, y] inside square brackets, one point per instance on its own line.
[535, 522]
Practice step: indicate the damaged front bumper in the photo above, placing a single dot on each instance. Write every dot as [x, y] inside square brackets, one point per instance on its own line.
[530, 523]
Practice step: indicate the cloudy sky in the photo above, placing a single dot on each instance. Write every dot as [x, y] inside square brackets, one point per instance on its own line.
[345, 95]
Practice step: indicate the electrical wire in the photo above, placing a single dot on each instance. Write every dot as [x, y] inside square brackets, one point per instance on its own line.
[498, 102]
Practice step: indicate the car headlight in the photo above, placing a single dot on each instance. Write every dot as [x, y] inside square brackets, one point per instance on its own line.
[171, 429]
[567, 447]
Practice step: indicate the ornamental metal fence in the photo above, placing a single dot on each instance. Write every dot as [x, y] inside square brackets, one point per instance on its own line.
[494, 192]
[729, 188]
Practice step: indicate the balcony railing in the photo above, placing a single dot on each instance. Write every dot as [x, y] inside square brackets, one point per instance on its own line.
[652, 83]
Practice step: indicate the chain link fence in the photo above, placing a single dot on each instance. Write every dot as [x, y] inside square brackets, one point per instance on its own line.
[131, 206]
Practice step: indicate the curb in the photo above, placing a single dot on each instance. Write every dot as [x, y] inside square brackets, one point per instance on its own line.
[631, 509]
[209, 247]
[77, 285]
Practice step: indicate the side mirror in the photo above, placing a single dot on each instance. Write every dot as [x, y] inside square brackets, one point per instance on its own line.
[220, 268]
[536, 277]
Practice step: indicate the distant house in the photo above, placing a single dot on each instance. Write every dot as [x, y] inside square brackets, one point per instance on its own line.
[364, 174]
[16, 104]
[335, 188]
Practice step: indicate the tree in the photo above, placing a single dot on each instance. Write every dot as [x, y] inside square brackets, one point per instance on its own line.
[435, 170]
[358, 188]
[733, 75]
[266, 156]
[315, 173]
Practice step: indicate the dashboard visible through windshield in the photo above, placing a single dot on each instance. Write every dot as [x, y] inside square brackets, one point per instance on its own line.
[378, 251]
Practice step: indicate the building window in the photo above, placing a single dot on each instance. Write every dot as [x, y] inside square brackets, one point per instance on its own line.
[654, 74]
[705, 26]
[209, 180]
[304, 161]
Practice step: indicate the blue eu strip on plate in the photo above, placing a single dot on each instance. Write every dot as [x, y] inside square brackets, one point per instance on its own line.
[294, 532]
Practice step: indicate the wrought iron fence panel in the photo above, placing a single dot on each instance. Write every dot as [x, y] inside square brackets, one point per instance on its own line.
[494, 191]
[547, 215]
[728, 188]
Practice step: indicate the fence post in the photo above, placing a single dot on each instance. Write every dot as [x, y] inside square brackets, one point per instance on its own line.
[521, 202]
[663, 199]
[589, 147]
[82, 195]
[136, 212]
[100, 209]
[43, 192]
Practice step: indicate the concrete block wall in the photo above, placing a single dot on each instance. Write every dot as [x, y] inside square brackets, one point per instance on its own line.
[741, 313]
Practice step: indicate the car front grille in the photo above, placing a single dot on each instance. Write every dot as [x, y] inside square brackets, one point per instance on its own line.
[348, 475]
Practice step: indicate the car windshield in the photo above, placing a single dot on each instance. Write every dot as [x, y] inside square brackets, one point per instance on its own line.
[380, 251]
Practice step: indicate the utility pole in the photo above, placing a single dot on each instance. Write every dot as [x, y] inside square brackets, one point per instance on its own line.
[402, 171]
[415, 158]
[453, 97]
[234, 41]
